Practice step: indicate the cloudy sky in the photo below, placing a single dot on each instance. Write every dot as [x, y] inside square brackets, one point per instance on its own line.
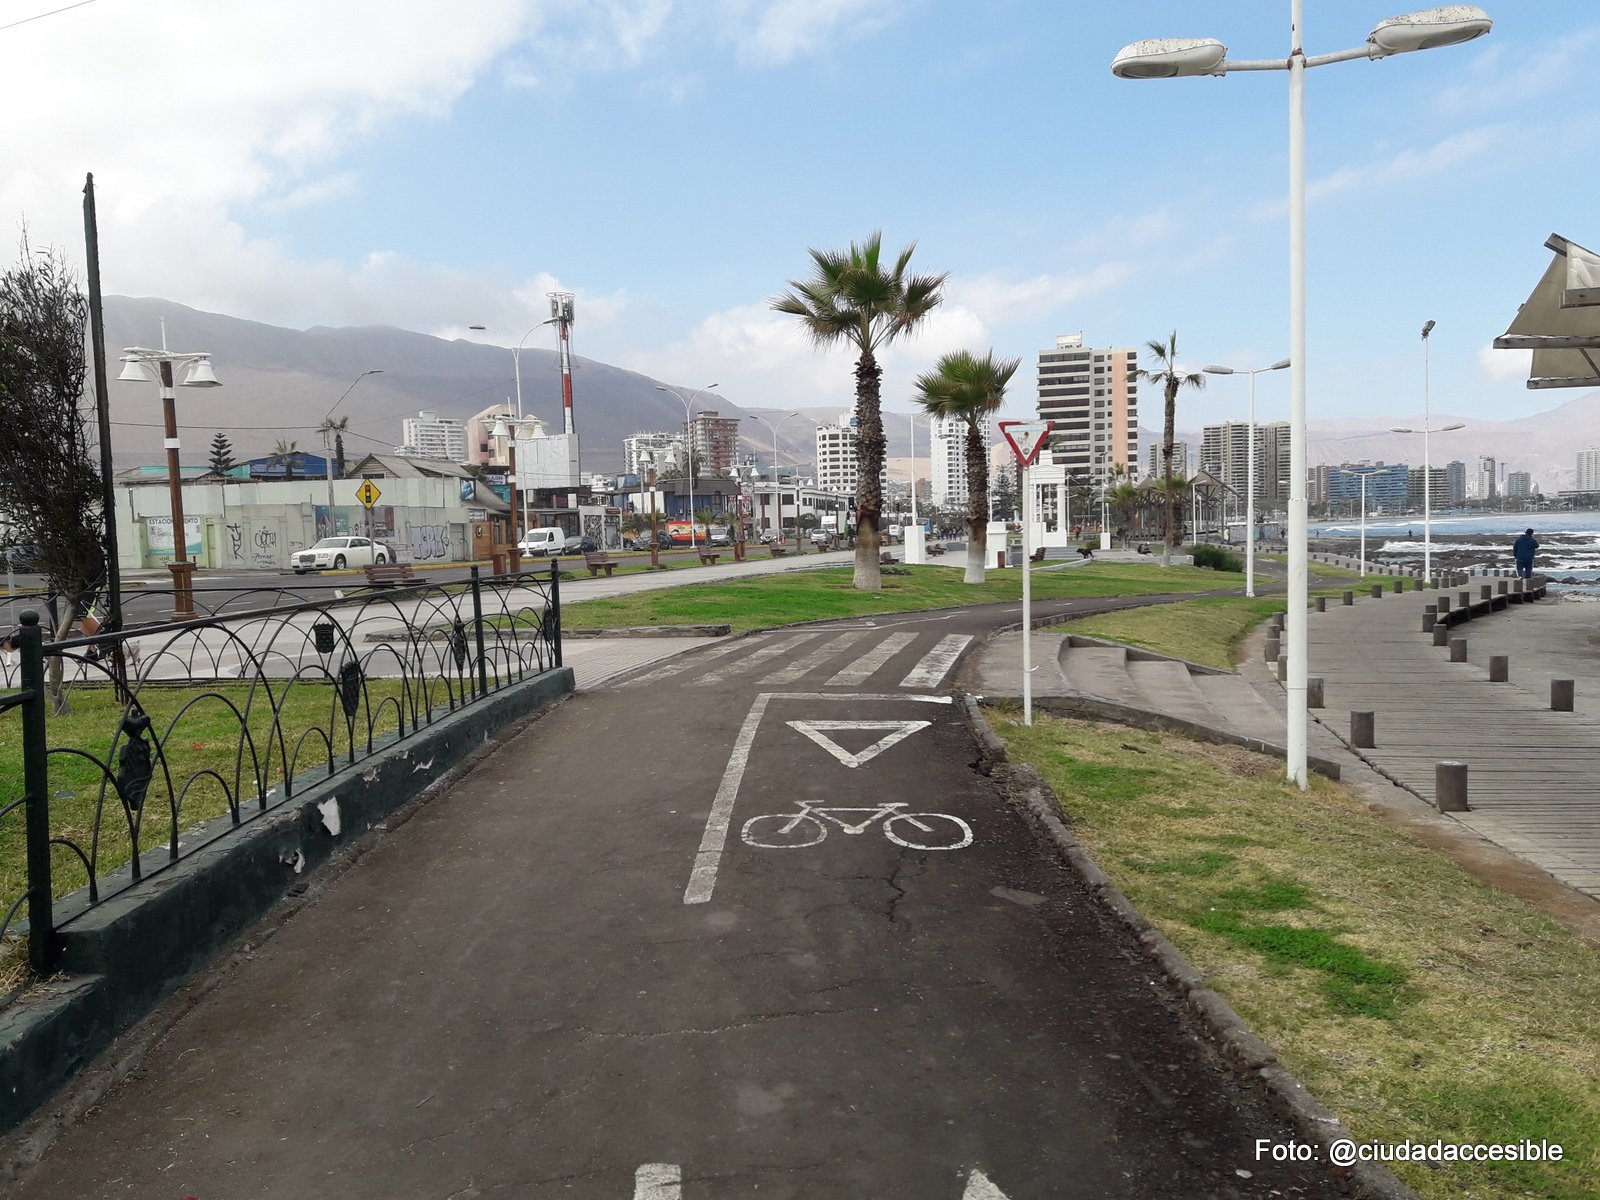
[433, 165]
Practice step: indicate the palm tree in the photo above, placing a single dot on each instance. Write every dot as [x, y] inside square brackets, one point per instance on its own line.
[283, 454]
[853, 297]
[1173, 497]
[1164, 373]
[1124, 501]
[968, 388]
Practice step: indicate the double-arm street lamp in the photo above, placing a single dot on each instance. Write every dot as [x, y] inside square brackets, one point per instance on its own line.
[1250, 471]
[1165, 58]
[688, 442]
[516, 368]
[329, 429]
[1364, 476]
[137, 362]
[1427, 464]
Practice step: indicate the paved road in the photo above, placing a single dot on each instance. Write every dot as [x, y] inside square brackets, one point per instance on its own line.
[685, 938]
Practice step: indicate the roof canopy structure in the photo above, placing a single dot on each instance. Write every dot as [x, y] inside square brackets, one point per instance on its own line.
[1560, 322]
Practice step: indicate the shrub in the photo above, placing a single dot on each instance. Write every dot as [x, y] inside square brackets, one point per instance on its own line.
[1216, 558]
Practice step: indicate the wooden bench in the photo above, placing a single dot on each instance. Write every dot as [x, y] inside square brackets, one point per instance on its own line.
[708, 558]
[936, 548]
[1037, 555]
[389, 574]
[599, 562]
[886, 559]
[777, 549]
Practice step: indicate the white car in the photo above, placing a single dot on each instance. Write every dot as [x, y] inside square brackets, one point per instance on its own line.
[337, 553]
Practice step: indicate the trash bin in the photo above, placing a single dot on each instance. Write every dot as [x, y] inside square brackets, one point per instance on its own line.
[1014, 555]
[497, 562]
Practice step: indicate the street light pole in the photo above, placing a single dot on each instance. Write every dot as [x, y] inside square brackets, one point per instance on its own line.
[1427, 466]
[688, 444]
[327, 443]
[1250, 468]
[516, 370]
[1165, 58]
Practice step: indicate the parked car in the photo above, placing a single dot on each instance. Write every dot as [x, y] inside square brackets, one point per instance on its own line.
[642, 541]
[23, 557]
[719, 537]
[580, 545]
[548, 540]
[337, 553]
[768, 537]
[821, 538]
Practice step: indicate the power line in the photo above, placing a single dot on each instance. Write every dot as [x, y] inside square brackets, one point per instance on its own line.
[43, 15]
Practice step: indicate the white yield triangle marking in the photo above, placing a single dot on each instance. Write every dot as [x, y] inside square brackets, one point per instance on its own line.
[979, 1188]
[896, 732]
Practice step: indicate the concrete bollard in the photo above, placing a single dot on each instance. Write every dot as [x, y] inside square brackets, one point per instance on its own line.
[1399, 586]
[1283, 668]
[1500, 588]
[1516, 585]
[1485, 591]
[1458, 649]
[1450, 787]
[1441, 634]
[1562, 695]
[1271, 654]
[1377, 591]
[1322, 604]
[1349, 598]
[1363, 727]
[1442, 605]
[1499, 668]
[1313, 691]
[1429, 620]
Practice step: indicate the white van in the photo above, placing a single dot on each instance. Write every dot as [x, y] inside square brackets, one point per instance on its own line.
[542, 541]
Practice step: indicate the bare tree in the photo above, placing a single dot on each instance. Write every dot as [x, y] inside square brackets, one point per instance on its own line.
[51, 490]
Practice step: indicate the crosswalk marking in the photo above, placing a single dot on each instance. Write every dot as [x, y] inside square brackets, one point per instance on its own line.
[857, 672]
[936, 663]
[770, 651]
[815, 659]
[684, 661]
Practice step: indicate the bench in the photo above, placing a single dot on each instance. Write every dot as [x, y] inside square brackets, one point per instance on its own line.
[777, 549]
[936, 548]
[1037, 555]
[708, 558]
[599, 562]
[886, 559]
[389, 574]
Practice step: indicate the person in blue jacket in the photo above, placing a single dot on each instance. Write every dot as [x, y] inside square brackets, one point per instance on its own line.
[1522, 550]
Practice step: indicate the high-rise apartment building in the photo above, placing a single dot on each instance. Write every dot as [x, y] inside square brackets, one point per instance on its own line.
[1589, 470]
[1439, 487]
[1519, 485]
[428, 435]
[1486, 487]
[1091, 398]
[949, 451]
[665, 448]
[1153, 466]
[1388, 487]
[838, 470]
[716, 442]
[1225, 453]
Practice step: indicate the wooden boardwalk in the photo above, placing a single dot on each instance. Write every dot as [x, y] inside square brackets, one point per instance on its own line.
[1532, 773]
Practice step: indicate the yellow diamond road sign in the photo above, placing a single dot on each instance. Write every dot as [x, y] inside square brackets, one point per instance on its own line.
[368, 493]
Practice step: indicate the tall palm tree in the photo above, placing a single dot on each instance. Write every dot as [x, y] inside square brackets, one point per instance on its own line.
[1164, 373]
[855, 298]
[283, 454]
[1123, 497]
[970, 388]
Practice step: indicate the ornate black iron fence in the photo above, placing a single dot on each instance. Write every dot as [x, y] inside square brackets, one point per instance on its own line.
[140, 748]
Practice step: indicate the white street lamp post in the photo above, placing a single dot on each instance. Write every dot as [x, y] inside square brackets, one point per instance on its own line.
[328, 438]
[688, 444]
[1250, 469]
[137, 362]
[1165, 58]
[516, 368]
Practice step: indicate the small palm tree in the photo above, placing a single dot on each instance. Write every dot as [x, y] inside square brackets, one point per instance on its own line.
[968, 388]
[853, 297]
[283, 455]
[1124, 501]
[1164, 373]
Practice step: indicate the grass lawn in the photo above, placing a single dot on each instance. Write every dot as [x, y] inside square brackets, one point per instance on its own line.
[764, 601]
[1416, 1002]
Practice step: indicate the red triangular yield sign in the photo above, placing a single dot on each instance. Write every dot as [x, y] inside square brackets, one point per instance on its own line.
[1026, 438]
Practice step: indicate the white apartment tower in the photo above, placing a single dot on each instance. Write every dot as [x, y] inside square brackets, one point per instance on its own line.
[1589, 470]
[948, 476]
[1154, 467]
[666, 449]
[428, 435]
[1091, 397]
[1225, 453]
[837, 468]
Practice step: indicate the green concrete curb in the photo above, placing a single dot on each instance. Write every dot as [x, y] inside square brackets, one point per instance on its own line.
[124, 955]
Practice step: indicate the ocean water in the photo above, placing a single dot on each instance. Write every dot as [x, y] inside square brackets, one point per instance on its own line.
[1569, 542]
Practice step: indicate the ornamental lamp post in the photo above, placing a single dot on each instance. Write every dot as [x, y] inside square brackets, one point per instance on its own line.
[1166, 58]
[137, 362]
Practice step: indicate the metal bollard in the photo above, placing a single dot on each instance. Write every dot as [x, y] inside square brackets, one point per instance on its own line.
[1458, 649]
[1441, 634]
[1349, 598]
[1271, 654]
[1363, 727]
[1450, 787]
[1561, 695]
[1313, 691]
[1499, 668]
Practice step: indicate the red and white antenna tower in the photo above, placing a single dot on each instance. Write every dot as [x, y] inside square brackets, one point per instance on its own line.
[561, 309]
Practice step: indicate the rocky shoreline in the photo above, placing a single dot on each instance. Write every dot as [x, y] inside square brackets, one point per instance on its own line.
[1569, 559]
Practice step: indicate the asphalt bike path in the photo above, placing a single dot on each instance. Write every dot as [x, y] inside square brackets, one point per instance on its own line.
[748, 924]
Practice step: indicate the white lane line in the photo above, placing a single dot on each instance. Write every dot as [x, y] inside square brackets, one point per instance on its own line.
[685, 661]
[703, 879]
[857, 672]
[937, 662]
[979, 1188]
[894, 732]
[770, 651]
[815, 659]
[658, 1181]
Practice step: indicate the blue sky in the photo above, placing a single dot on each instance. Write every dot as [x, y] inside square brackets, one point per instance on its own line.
[430, 166]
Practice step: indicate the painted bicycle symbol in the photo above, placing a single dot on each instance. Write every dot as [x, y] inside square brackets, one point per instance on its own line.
[914, 831]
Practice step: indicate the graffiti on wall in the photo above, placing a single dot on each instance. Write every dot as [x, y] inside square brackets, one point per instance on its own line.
[427, 542]
[236, 542]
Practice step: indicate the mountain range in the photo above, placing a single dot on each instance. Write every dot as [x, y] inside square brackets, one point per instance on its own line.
[279, 384]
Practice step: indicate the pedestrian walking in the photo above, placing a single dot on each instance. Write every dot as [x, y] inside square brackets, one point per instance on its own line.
[1522, 550]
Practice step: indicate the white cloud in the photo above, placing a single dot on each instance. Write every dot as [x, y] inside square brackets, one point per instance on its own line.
[1504, 75]
[780, 30]
[1502, 366]
[998, 300]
